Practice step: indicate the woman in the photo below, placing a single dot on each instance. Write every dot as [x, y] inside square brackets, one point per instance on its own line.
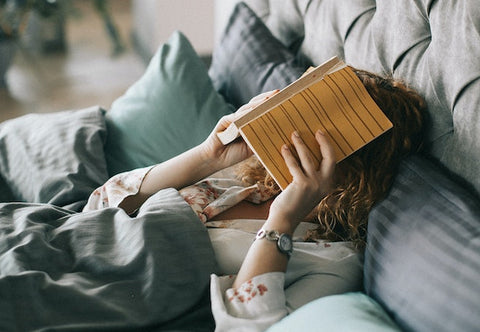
[337, 198]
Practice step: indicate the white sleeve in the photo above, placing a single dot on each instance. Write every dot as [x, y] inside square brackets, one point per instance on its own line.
[254, 306]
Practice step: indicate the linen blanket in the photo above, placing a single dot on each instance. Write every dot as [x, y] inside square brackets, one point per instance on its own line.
[103, 270]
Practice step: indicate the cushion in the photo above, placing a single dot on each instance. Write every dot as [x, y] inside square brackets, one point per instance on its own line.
[170, 109]
[345, 312]
[423, 254]
[54, 158]
[249, 60]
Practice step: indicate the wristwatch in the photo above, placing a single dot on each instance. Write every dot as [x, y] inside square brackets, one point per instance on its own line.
[284, 241]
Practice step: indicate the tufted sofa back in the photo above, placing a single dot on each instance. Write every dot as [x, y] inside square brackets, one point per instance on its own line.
[432, 45]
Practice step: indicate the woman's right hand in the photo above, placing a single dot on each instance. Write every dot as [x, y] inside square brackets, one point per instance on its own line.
[227, 155]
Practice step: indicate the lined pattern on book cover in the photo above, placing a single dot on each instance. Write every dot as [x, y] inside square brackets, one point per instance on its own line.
[339, 105]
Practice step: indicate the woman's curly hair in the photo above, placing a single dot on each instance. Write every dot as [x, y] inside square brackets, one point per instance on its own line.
[365, 177]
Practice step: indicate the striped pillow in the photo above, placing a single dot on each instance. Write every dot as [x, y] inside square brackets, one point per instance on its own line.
[249, 59]
[423, 255]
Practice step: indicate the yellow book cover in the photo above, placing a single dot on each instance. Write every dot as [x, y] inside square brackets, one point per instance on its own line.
[329, 97]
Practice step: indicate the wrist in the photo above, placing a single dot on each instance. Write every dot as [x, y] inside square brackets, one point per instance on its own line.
[207, 159]
[282, 225]
[283, 240]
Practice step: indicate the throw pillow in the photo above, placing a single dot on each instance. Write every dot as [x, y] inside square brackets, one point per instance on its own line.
[344, 312]
[54, 158]
[249, 60]
[170, 109]
[422, 261]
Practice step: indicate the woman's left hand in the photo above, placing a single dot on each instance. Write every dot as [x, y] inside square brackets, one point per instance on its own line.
[312, 181]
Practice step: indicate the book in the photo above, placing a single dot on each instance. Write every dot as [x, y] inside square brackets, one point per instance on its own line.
[329, 97]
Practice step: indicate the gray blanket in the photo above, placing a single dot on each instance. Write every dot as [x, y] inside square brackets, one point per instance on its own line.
[103, 270]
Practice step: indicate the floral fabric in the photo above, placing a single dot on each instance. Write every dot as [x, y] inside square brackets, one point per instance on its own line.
[210, 197]
[116, 189]
[254, 306]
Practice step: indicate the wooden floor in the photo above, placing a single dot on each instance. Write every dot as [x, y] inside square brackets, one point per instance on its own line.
[86, 74]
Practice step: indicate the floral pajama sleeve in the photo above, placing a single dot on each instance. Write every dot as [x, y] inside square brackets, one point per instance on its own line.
[116, 189]
[254, 306]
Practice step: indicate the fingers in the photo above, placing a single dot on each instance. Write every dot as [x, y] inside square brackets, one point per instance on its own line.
[307, 164]
[291, 162]
[327, 166]
[224, 122]
[307, 160]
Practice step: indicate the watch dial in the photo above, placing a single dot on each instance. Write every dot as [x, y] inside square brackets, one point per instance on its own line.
[285, 243]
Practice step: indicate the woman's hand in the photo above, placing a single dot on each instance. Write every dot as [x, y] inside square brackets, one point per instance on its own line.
[230, 154]
[312, 181]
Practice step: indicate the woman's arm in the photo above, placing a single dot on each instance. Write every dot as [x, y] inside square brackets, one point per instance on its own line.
[311, 182]
[196, 163]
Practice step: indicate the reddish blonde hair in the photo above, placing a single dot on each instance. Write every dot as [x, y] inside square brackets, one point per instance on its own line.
[365, 177]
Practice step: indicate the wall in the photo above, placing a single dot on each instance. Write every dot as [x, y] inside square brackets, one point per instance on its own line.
[155, 20]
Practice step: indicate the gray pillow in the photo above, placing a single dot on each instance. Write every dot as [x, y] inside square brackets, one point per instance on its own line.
[422, 261]
[250, 60]
[54, 158]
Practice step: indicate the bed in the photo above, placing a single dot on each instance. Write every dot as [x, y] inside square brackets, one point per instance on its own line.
[66, 270]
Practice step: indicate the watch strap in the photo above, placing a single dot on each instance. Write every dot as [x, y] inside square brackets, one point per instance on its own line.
[283, 241]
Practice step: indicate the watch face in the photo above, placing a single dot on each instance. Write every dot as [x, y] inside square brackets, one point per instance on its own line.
[285, 243]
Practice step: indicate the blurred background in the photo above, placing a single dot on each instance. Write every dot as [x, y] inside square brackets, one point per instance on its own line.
[69, 54]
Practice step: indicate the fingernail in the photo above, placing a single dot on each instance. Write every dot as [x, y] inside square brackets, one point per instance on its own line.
[295, 133]
[320, 132]
[285, 147]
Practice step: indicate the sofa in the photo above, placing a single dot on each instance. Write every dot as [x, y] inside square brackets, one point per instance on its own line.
[63, 269]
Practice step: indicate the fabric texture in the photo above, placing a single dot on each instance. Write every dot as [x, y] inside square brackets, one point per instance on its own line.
[340, 313]
[423, 256]
[170, 109]
[54, 158]
[249, 60]
[104, 271]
